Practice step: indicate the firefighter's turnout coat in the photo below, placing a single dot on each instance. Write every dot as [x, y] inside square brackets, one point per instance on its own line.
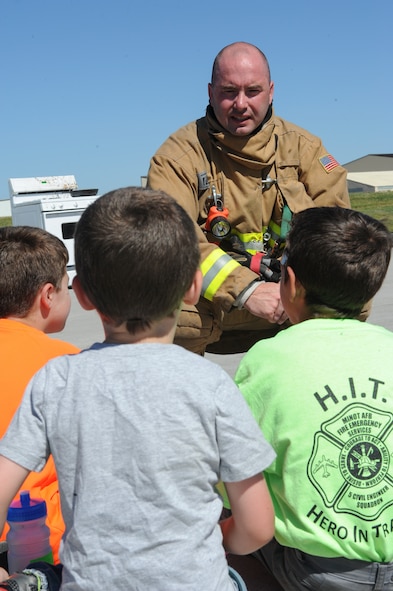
[254, 177]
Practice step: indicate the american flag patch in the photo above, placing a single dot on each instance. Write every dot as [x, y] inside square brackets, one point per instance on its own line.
[328, 162]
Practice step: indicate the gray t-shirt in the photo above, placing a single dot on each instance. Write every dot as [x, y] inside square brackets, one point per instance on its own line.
[140, 434]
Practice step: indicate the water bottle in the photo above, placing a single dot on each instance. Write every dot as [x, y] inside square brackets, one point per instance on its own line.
[28, 536]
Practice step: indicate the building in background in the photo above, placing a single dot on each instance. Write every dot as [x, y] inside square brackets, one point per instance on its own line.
[5, 208]
[370, 174]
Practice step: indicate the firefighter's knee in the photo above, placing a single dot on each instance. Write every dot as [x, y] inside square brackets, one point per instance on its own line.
[196, 328]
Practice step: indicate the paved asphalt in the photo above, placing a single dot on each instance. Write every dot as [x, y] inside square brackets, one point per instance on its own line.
[84, 328]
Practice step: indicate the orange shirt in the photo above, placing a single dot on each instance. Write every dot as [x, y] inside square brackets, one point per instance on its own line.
[23, 351]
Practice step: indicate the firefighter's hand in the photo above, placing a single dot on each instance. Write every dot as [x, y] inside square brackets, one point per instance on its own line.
[265, 302]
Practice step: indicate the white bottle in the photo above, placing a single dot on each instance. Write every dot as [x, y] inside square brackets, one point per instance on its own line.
[28, 536]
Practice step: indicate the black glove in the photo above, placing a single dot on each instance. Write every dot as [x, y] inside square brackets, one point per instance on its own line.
[269, 269]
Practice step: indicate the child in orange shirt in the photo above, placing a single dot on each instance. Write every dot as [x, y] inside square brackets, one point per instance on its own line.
[34, 300]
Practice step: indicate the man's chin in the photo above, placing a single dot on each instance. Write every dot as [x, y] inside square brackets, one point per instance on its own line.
[241, 129]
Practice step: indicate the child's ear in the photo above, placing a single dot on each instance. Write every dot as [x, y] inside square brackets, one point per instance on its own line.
[191, 296]
[46, 294]
[295, 288]
[82, 298]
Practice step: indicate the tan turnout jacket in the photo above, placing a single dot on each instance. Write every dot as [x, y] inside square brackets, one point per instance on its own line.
[202, 154]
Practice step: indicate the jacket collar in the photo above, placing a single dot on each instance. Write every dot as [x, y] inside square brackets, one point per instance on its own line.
[253, 150]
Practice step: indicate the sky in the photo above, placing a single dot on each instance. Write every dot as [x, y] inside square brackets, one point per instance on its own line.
[91, 88]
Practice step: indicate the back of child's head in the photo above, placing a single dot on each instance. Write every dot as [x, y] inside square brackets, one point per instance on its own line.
[136, 254]
[29, 258]
[340, 256]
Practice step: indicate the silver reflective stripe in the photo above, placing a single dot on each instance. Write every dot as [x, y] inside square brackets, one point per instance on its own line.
[214, 270]
[253, 245]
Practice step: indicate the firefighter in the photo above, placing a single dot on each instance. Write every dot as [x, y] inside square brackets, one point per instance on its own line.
[241, 173]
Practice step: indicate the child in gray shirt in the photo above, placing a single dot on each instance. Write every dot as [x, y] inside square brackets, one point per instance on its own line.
[140, 429]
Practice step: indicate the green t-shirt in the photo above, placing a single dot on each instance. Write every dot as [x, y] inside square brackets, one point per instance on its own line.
[322, 393]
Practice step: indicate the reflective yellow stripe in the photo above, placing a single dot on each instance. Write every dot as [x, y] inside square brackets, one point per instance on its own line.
[252, 241]
[215, 269]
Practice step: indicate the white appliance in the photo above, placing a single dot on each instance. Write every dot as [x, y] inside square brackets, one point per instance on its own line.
[53, 203]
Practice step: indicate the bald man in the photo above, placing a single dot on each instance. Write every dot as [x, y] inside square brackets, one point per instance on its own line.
[241, 172]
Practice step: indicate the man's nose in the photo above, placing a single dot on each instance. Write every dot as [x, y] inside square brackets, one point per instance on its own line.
[240, 101]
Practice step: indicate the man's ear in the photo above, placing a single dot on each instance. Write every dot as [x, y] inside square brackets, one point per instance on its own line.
[271, 92]
[209, 90]
[191, 296]
[82, 298]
